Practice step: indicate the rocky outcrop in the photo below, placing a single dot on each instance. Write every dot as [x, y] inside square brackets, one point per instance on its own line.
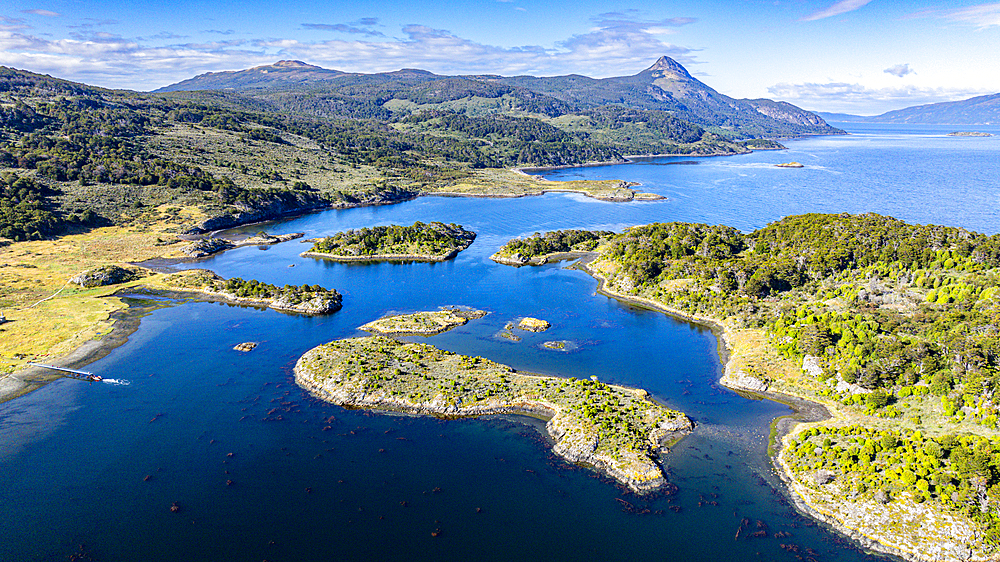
[741, 380]
[106, 275]
[533, 324]
[207, 247]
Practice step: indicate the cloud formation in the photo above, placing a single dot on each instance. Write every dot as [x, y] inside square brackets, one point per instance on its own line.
[982, 16]
[841, 7]
[899, 70]
[359, 27]
[46, 13]
[855, 98]
[617, 42]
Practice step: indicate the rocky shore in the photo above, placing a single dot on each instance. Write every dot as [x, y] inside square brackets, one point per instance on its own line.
[422, 323]
[383, 257]
[384, 374]
[208, 246]
[909, 530]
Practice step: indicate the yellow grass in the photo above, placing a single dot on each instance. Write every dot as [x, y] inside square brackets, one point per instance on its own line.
[47, 316]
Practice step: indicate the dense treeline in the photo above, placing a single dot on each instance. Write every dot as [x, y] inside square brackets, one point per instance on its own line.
[538, 244]
[254, 289]
[418, 239]
[900, 309]
[960, 473]
[25, 213]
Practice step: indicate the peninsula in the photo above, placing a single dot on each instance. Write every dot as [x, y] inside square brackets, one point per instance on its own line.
[614, 429]
[305, 299]
[890, 326]
[422, 323]
[420, 242]
[539, 249]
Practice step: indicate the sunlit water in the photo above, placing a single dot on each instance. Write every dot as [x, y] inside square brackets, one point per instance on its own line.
[259, 470]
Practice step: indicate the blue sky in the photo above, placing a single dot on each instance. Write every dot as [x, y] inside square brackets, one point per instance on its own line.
[857, 56]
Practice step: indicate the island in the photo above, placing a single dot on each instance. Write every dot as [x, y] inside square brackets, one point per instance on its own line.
[430, 242]
[530, 324]
[539, 249]
[423, 323]
[617, 430]
[305, 299]
[969, 134]
[891, 328]
[789, 165]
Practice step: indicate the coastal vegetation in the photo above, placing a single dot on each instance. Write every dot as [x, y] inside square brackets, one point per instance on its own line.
[307, 299]
[539, 247]
[615, 429]
[422, 242]
[422, 323]
[892, 326]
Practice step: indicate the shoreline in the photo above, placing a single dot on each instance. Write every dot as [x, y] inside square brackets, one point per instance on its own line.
[125, 322]
[383, 257]
[806, 410]
[574, 439]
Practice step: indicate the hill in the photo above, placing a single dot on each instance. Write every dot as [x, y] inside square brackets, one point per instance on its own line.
[980, 110]
[280, 74]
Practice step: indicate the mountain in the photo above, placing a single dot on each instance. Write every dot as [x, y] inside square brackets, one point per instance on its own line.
[980, 110]
[665, 86]
[282, 74]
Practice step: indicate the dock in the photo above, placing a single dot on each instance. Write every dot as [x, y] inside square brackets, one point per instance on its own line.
[74, 373]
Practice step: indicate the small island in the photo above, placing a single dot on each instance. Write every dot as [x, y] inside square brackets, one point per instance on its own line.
[530, 324]
[420, 242]
[789, 165]
[969, 134]
[305, 299]
[422, 323]
[614, 429]
[539, 249]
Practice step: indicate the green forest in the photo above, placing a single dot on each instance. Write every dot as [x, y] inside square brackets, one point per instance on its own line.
[419, 239]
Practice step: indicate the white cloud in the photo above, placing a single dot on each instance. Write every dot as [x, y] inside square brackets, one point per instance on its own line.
[981, 16]
[46, 13]
[858, 99]
[899, 70]
[619, 43]
[841, 7]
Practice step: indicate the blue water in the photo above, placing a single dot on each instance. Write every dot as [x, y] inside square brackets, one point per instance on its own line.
[91, 470]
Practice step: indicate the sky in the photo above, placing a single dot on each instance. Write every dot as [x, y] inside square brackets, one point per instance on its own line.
[853, 56]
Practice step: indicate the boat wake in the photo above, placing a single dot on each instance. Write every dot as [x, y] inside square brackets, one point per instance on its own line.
[119, 382]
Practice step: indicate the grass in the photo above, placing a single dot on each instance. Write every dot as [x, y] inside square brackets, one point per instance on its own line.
[37, 270]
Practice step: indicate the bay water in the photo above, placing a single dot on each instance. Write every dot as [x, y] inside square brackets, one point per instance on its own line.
[256, 469]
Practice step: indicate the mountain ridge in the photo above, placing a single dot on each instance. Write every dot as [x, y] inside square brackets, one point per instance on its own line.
[977, 110]
[664, 86]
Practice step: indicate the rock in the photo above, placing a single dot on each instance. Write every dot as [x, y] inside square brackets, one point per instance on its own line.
[245, 346]
[741, 380]
[106, 275]
[789, 165]
[207, 247]
[823, 477]
[810, 365]
[844, 386]
[533, 324]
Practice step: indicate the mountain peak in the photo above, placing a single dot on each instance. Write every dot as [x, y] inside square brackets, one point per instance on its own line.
[293, 64]
[668, 65]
